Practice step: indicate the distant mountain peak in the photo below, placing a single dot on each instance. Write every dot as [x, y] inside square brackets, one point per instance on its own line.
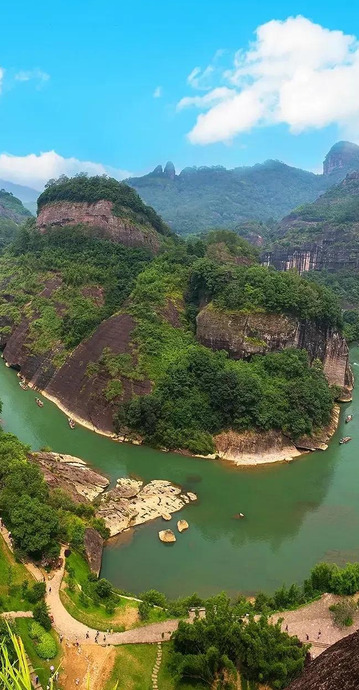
[343, 156]
[170, 170]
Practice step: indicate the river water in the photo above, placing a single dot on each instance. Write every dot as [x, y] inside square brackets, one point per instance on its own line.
[296, 514]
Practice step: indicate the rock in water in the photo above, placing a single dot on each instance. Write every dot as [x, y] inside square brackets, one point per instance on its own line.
[167, 536]
[182, 525]
[166, 516]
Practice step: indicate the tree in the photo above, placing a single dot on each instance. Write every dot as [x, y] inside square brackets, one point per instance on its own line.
[103, 588]
[34, 526]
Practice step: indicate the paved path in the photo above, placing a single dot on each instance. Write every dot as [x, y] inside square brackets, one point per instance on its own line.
[315, 620]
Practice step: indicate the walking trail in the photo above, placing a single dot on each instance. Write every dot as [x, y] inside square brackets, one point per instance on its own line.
[311, 623]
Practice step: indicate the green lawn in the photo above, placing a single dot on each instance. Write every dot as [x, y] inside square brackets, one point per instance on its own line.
[133, 667]
[41, 666]
[12, 574]
[95, 616]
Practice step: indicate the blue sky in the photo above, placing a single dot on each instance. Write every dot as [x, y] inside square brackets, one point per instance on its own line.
[79, 79]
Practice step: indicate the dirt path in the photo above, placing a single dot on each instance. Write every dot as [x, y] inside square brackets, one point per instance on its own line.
[89, 661]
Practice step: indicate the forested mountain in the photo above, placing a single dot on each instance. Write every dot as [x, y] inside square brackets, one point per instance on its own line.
[12, 214]
[155, 345]
[213, 197]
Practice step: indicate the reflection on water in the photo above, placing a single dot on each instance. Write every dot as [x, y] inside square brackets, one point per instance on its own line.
[295, 514]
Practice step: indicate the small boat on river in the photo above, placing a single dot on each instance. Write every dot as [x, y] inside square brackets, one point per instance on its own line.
[345, 439]
[71, 423]
[39, 402]
[23, 385]
[348, 418]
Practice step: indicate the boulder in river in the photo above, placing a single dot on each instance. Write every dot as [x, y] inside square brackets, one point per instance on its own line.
[182, 525]
[167, 536]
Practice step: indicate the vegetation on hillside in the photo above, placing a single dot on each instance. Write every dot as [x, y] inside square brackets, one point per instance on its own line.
[212, 197]
[126, 202]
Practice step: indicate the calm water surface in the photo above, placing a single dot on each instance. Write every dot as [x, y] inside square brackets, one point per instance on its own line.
[296, 514]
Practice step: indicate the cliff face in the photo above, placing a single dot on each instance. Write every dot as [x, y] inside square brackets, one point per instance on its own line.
[342, 157]
[322, 235]
[79, 386]
[101, 219]
[243, 335]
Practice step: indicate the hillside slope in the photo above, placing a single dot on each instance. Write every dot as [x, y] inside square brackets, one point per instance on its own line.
[12, 215]
[321, 235]
[202, 198]
[109, 333]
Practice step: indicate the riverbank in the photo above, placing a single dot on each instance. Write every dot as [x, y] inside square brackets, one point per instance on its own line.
[246, 449]
[296, 513]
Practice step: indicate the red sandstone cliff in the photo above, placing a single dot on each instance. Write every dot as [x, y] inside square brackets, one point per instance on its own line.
[100, 218]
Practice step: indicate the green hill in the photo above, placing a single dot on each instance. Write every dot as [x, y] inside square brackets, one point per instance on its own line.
[12, 215]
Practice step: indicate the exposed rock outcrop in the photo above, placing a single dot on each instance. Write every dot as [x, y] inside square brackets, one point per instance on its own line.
[93, 544]
[70, 474]
[254, 448]
[243, 335]
[99, 217]
[132, 503]
[337, 668]
[343, 156]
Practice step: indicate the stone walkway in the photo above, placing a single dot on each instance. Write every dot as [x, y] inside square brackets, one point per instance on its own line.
[156, 667]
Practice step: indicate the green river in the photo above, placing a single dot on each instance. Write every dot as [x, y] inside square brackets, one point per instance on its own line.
[296, 514]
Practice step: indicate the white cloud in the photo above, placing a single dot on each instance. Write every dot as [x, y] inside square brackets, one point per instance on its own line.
[35, 170]
[295, 72]
[217, 95]
[34, 74]
[157, 92]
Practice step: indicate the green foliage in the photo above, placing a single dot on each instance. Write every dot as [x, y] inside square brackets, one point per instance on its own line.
[213, 197]
[34, 525]
[103, 588]
[269, 656]
[343, 613]
[126, 203]
[45, 644]
[36, 592]
[207, 648]
[204, 392]
[257, 288]
[41, 615]
[144, 609]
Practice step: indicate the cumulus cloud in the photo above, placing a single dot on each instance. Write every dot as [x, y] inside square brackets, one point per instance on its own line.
[37, 74]
[157, 92]
[295, 72]
[35, 170]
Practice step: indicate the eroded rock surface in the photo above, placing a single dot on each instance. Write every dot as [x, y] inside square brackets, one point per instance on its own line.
[93, 543]
[243, 335]
[167, 536]
[254, 448]
[132, 503]
[72, 475]
[100, 218]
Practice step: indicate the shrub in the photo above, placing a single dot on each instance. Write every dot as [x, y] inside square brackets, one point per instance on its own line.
[35, 630]
[36, 593]
[144, 610]
[46, 649]
[343, 612]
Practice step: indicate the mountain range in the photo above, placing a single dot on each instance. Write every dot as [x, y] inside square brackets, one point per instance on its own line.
[213, 197]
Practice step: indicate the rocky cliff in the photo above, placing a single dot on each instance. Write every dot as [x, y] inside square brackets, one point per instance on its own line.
[99, 217]
[342, 158]
[322, 235]
[246, 334]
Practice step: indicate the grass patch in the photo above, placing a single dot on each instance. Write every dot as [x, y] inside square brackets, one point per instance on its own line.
[12, 574]
[133, 667]
[42, 667]
[93, 614]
